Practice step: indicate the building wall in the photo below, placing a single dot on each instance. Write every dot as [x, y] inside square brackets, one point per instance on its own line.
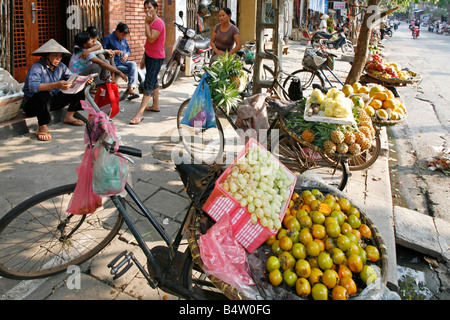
[130, 12]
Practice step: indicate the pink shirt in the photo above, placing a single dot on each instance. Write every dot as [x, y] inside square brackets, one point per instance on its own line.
[156, 49]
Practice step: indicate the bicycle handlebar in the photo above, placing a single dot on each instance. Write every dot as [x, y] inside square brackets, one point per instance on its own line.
[122, 149]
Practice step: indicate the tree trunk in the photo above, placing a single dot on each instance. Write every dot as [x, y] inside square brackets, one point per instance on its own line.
[362, 47]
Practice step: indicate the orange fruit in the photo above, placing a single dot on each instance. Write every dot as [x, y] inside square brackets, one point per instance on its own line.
[286, 243]
[349, 285]
[275, 277]
[373, 254]
[345, 204]
[318, 231]
[330, 278]
[339, 293]
[365, 231]
[355, 263]
[344, 271]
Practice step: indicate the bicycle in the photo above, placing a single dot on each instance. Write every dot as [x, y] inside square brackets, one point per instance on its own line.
[208, 145]
[312, 76]
[38, 238]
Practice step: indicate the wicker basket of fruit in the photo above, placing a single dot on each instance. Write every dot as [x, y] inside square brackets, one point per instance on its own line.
[390, 73]
[327, 248]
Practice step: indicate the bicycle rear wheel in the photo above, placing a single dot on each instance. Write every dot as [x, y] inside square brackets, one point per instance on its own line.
[204, 146]
[297, 159]
[363, 160]
[307, 79]
[38, 238]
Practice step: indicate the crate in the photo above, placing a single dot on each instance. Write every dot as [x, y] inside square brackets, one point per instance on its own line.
[9, 106]
[220, 202]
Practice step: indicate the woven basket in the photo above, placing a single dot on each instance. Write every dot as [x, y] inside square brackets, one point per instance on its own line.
[310, 63]
[396, 81]
[389, 122]
[232, 293]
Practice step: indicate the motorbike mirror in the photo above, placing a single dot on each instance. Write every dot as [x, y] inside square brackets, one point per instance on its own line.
[180, 14]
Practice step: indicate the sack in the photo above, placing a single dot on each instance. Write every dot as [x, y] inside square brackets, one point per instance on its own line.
[84, 200]
[110, 171]
[295, 90]
[107, 98]
[200, 110]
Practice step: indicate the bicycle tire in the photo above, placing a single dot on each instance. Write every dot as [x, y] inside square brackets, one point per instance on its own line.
[287, 150]
[347, 48]
[170, 74]
[363, 160]
[269, 74]
[203, 146]
[38, 238]
[307, 79]
[194, 279]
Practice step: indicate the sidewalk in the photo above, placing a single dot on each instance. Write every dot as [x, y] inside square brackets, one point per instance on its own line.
[29, 166]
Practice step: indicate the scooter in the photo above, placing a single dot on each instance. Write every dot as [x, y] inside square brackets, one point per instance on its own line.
[440, 28]
[189, 45]
[388, 31]
[415, 32]
[331, 42]
[431, 27]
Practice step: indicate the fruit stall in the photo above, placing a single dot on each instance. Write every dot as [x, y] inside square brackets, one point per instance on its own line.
[265, 231]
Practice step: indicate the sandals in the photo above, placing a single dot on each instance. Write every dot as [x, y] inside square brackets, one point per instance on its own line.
[75, 122]
[136, 120]
[43, 136]
[149, 109]
[133, 96]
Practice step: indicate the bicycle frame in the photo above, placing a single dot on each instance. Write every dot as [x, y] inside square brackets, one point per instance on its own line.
[159, 279]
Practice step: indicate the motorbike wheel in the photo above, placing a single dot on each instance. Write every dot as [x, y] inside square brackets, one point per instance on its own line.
[171, 73]
[389, 33]
[347, 47]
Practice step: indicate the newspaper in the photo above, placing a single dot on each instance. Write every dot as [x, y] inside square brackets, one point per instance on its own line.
[78, 82]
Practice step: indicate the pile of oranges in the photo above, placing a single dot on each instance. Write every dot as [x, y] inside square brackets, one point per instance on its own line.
[324, 250]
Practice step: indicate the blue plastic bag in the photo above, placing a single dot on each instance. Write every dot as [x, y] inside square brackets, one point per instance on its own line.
[200, 110]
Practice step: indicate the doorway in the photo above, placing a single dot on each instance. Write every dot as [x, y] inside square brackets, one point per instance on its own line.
[35, 22]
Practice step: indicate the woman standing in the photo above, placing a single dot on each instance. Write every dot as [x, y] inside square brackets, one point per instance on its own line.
[225, 36]
[152, 59]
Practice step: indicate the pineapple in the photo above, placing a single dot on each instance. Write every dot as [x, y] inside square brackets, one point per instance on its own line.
[308, 135]
[329, 147]
[354, 148]
[342, 148]
[337, 136]
[349, 137]
[366, 132]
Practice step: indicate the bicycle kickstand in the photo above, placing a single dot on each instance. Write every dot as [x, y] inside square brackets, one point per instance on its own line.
[119, 268]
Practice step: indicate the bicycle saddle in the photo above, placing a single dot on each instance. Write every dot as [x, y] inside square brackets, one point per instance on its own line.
[281, 107]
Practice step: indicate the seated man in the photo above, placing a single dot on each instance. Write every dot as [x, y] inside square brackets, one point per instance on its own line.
[42, 89]
[117, 41]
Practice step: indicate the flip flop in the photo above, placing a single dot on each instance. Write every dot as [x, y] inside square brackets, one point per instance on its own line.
[43, 136]
[136, 120]
[75, 122]
[148, 109]
[133, 96]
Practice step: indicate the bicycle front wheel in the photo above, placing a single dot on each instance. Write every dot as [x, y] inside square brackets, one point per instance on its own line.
[297, 158]
[38, 238]
[204, 146]
[307, 79]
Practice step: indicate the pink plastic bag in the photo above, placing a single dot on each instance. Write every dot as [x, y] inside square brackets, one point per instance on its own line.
[223, 256]
[84, 200]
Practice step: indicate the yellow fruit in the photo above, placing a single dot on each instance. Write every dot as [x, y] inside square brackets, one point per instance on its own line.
[391, 103]
[370, 111]
[363, 89]
[347, 90]
[376, 89]
[376, 104]
[356, 86]
[358, 101]
[380, 96]
[389, 94]
[381, 114]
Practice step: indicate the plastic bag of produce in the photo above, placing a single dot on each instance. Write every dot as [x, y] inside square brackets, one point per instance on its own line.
[200, 110]
[224, 258]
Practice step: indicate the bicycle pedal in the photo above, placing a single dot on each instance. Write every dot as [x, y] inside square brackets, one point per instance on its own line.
[121, 264]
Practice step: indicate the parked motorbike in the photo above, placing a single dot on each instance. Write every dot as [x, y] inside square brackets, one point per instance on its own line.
[189, 45]
[431, 27]
[333, 41]
[388, 31]
[415, 32]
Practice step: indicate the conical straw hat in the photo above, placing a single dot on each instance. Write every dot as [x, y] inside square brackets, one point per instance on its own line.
[51, 46]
